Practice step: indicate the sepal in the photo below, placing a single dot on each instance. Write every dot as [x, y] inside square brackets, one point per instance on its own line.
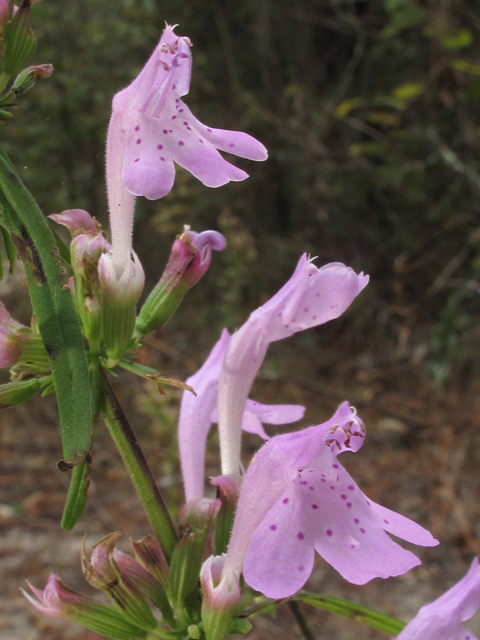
[121, 289]
[227, 493]
[221, 594]
[196, 521]
[17, 392]
[20, 42]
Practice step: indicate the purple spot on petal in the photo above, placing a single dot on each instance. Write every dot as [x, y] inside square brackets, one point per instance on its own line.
[300, 535]
[177, 100]
[138, 141]
[335, 466]
[180, 111]
[333, 306]
[174, 117]
[317, 295]
[189, 128]
[180, 143]
[343, 496]
[137, 128]
[362, 530]
[209, 130]
[323, 479]
[285, 501]
[349, 505]
[165, 131]
[137, 159]
[352, 546]
[201, 140]
[368, 503]
[329, 532]
[314, 317]
[311, 488]
[174, 86]
[314, 506]
[332, 487]
[186, 124]
[351, 487]
[231, 145]
[356, 520]
[160, 146]
[303, 482]
[162, 158]
[301, 567]
[293, 320]
[273, 527]
[305, 310]
[386, 522]
[170, 131]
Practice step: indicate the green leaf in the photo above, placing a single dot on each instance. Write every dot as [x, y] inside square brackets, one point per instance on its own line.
[53, 307]
[353, 611]
[9, 248]
[77, 493]
[20, 42]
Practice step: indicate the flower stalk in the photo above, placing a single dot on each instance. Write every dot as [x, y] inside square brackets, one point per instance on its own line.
[138, 469]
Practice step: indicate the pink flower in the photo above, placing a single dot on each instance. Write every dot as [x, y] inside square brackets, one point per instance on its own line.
[151, 127]
[198, 412]
[311, 297]
[296, 498]
[443, 618]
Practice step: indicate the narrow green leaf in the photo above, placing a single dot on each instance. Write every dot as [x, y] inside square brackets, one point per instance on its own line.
[353, 611]
[53, 307]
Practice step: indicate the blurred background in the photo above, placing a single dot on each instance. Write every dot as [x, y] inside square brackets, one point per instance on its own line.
[370, 112]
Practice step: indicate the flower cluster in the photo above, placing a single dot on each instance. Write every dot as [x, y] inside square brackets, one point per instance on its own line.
[261, 531]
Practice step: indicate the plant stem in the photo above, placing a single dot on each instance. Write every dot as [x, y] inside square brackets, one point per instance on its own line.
[138, 469]
[302, 621]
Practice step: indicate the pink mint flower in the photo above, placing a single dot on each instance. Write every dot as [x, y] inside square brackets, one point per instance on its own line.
[297, 498]
[311, 297]
[151, 128]
[198, 412]
[443, 618]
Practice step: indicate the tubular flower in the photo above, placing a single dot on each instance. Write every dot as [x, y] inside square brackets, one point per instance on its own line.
[198, 412]
[296, 498]
[443, 618]
[151, 128]
[311, 297]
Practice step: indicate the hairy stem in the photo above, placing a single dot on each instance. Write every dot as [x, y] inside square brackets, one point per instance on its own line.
[138, 469]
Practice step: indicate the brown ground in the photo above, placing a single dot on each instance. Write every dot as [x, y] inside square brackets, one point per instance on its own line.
[420, 458]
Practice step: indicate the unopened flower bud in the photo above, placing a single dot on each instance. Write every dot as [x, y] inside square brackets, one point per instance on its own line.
[189, 260]
[145, 582]
[221, 594]
[58, 601]
[121, 288]
[27, 78]
[150, 555]
[77, 221]
[88, 244]
[103, 573]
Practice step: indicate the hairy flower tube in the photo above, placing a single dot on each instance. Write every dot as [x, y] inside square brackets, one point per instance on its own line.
[311, 297]
[198, 412]
[443, 618]
[151, 128]
[296, 498]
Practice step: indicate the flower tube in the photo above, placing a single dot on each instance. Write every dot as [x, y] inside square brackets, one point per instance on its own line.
[311, 297]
